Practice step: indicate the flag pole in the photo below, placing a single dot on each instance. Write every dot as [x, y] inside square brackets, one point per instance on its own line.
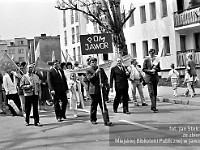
[100, 85]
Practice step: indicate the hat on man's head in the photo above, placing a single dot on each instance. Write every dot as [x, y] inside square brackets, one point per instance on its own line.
[152, 50]
[133, 60]
[56, 61]
[30, 66]
[93, 59]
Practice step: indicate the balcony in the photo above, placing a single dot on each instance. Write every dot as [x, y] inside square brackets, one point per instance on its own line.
[181, 57]
[187, 17]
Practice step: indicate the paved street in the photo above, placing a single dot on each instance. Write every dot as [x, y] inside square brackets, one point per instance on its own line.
[79, 133]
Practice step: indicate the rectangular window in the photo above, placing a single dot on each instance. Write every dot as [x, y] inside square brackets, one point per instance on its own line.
[64, 18]
[183, 43]
[123, 18]
[155, 45]
[74, 54]
[87, 19]
[95, 27]
[11, 51]
[133, 50]
[12, 43]
[142, 14]
[163, 8]
[21, 59]
[79, 54]
[73, 35]
[65, 37]
[131, 20]
[105, 57]
[166, 45]
[152, 7]
[20, 51]
[197, 40]
[76, 16]
[72, 17]
[77, 34]
[145, 48]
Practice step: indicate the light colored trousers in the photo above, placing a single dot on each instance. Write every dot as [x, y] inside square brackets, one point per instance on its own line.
[137, 84]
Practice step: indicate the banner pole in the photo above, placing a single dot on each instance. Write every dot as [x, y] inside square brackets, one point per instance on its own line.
[100, 85]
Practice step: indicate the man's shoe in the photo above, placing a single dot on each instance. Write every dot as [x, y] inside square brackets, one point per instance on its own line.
[64, 117]
[126, 112]
[3, 112]
[108, 123]
[144, 104]
[27, 124]
[38, 124]
[136, 104]
[59, 120]
[155, 110]
[94, 122]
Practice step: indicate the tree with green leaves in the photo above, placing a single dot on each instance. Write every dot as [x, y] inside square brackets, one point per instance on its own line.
[106, 13]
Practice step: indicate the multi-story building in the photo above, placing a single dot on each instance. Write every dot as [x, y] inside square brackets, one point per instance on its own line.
[73, 25]
[17, 49]
[44, 47]
[3, 47]
[169, 26]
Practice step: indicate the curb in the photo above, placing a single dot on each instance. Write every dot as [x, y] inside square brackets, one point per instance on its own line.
[178, 101]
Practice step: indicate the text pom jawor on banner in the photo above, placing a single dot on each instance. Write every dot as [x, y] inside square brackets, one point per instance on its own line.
[96, 43]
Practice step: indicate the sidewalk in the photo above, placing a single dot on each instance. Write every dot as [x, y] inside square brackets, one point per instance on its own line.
[165, 94]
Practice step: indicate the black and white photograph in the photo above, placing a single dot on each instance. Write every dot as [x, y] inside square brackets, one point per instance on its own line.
[99, 74]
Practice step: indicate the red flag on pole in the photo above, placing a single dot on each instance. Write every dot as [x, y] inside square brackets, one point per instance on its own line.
[7, 63]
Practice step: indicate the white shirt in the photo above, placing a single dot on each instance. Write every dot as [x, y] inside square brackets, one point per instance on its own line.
[173, 74]
[134, 72]
[9, 85]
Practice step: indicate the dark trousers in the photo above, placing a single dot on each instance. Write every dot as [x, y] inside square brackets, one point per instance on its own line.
[121, 93]
[60, 110]
[29, 101]
[152, 89]
[96, 99]
[15, 98]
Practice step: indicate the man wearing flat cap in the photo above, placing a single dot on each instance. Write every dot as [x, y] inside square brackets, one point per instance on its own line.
[58, 86]
[151, 67]
[98, 80]
[30, 84]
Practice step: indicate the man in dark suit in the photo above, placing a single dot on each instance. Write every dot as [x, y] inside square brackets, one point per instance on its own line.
[151, 67]
[93, 75]
[58, 87]
[120, 74]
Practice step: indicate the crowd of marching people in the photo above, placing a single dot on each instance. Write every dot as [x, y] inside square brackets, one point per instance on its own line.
[27, 89]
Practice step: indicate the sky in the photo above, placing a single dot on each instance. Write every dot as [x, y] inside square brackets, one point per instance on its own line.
[28, 18]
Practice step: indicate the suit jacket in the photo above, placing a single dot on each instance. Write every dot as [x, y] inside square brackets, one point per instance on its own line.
[1, 81]
[55, 82]
[93, 78]
[147, 66]
[120, 77]
[43, 77]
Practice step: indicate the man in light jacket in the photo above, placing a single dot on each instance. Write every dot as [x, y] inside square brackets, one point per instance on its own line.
[30, 84]
[10, 86]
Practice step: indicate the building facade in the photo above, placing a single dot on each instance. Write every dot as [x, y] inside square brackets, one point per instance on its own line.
[171, 27]
[73, 25]
[16, 48]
